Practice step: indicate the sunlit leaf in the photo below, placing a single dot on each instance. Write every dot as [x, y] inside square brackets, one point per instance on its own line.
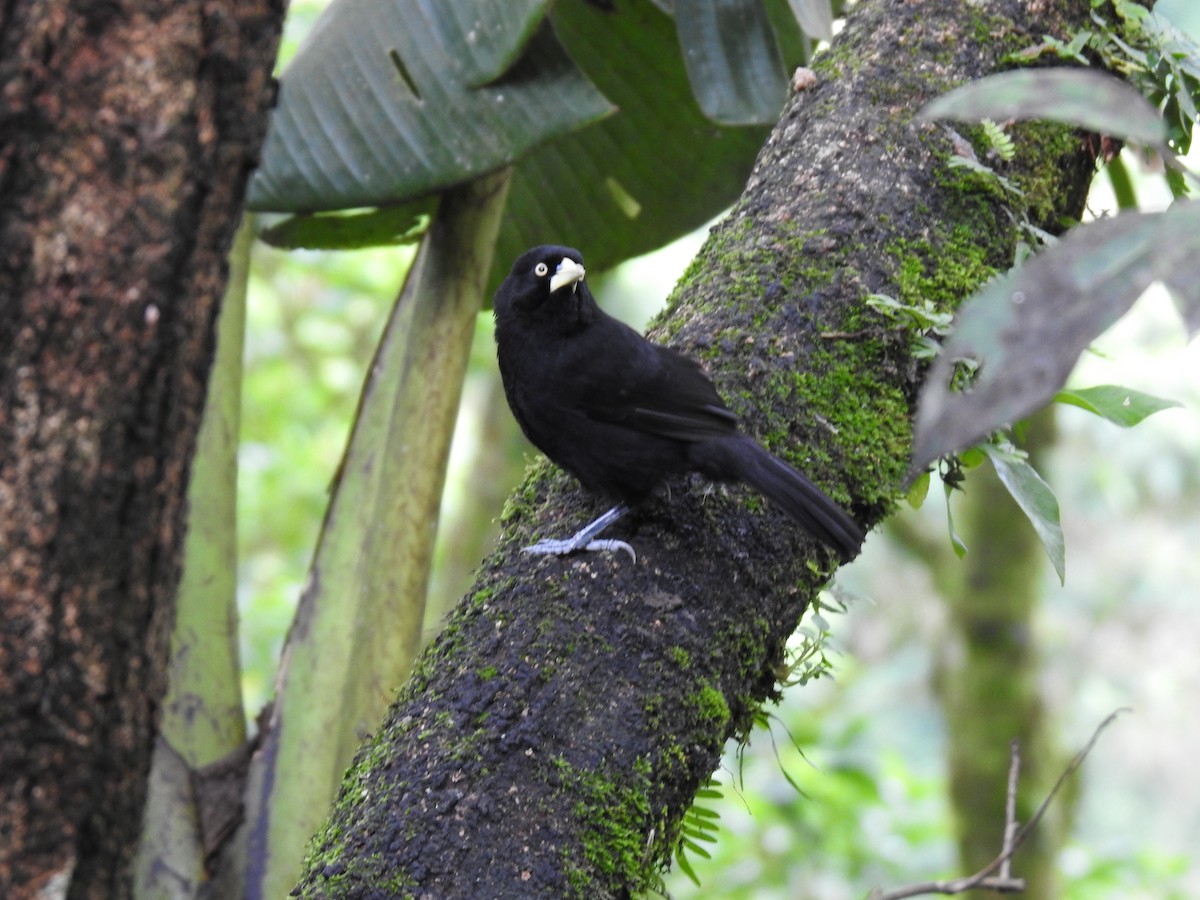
[956, 542]
[971, 457]
[685, 866]
[862, 782]
[1120, 405]
[389, 226]
[918, 490]
[1036, 500]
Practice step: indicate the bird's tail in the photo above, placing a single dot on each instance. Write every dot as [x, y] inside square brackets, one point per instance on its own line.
[799, 497]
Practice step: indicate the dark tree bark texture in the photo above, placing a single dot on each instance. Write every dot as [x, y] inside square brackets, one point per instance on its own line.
[553, 735]
[127, 130]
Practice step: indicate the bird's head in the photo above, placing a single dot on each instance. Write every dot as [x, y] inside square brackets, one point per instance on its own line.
[544, 273]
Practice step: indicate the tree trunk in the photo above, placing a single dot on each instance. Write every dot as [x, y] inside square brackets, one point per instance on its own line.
[988, 678]
[127, 131]
[987, 667]
[552, 737]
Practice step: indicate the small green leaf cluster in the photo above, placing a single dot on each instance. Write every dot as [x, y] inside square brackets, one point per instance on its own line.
[1001, 143]
[807, 659]
[927, 323]
[1120, 405]
[700, 823]
[1162, 62]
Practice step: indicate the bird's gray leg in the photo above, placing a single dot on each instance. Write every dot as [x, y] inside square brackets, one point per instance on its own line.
[585, 538]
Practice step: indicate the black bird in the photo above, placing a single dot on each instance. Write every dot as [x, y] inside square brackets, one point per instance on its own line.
[622, 414]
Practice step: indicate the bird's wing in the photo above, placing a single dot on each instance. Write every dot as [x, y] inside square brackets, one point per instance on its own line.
[664, 393]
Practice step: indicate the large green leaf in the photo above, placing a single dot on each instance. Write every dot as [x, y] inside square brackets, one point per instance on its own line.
[621, 187]
[732, 60]
[637, 180]
[388, 100]
[1091, 100]
[1028, 328]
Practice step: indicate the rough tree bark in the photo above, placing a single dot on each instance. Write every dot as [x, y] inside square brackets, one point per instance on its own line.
[127, 131]
[552, 737]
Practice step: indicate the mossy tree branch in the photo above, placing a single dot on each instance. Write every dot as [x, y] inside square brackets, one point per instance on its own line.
[552, 737]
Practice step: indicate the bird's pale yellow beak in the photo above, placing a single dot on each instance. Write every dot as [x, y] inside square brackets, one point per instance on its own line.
[568, 272]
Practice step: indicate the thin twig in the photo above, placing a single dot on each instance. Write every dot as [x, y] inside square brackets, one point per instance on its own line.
[1069, 771]
[958, 886]
[1010, 807]
[983, 878]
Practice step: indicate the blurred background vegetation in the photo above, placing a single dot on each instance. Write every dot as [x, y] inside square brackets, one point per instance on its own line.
[874, 738]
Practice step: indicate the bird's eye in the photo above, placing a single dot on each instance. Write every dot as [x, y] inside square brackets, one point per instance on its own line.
[540, 270]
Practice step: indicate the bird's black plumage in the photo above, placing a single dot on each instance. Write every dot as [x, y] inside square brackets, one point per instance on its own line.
[621, 413]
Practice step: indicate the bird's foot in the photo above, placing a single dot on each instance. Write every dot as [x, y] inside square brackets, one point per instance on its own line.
[585, 539]
[567, 546]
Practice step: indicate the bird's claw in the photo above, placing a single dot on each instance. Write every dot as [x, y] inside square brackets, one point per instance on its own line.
[585, 539]
[612, 546]
[568, 546]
